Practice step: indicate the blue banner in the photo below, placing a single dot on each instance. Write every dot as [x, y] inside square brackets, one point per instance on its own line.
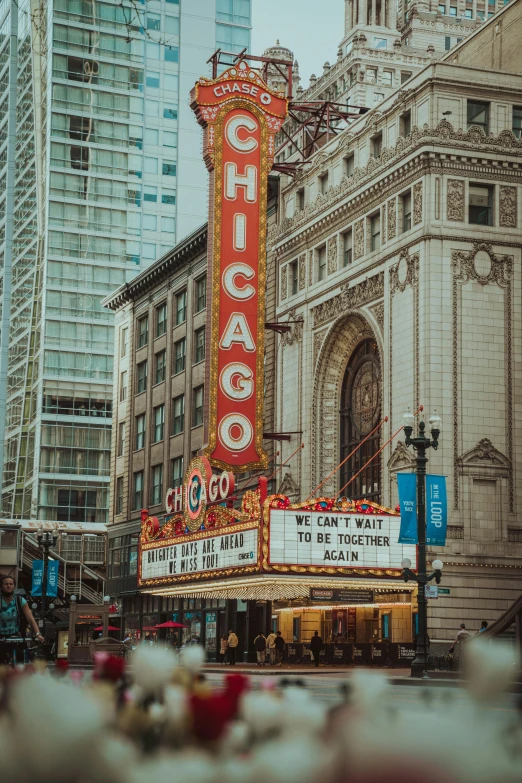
[52, 577]
[436, 510]
[407, 484]
[36, 588]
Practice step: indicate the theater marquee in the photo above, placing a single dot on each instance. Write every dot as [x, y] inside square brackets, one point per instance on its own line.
[241, 116]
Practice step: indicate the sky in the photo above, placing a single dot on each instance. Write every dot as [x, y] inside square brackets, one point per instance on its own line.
[312, 29]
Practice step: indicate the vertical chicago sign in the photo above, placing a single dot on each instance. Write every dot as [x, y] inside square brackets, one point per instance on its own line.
[240, 115]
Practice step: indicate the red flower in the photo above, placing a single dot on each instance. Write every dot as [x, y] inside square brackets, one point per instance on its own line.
[211, 714]
[109, 667]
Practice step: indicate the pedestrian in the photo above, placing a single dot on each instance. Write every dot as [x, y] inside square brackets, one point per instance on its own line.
[223, 649]
[260, 648]
[233, 642]
[462, 636]
[270, 643]
[316, 645]
[279, 648]
[484, 626]
[171, 639]
[15, 614]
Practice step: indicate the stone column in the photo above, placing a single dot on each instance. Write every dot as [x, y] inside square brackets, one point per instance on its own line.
[348, 16]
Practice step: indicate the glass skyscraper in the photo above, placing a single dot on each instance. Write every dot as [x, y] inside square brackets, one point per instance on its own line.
[100, 174]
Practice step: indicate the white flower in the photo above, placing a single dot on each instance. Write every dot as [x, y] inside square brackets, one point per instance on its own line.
[153, 667]
[192, 658]
[261, 710]
[490, 667]
[176, 706]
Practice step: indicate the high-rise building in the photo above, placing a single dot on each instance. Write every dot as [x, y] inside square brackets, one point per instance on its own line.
[100, 175]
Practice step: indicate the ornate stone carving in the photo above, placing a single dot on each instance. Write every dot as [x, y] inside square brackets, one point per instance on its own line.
[485, 455]
[515, 535]
[288, 486]
[455, 199]
[392, 218]
[508, 206]
[455, 531]
[482, 265]
[302, 271]
[378, 311]
[332, 255]
[296, 332]
[401, 459]
[284, 282]
[383, 223]
[349, 298]
[468, 140]
[417, 203]
[405, 272]
[358, 239]
[318, 341]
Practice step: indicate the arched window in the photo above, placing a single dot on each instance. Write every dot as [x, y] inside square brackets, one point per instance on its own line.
[360, 412]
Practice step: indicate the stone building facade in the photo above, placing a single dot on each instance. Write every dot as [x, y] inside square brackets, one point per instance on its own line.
[405, 276]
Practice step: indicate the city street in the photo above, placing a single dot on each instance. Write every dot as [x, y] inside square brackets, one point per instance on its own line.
[327, 689]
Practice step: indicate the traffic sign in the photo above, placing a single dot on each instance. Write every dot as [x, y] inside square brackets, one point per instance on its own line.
[444, 591]
[431, 591]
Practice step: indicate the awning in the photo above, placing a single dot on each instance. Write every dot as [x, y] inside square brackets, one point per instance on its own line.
[274, 588]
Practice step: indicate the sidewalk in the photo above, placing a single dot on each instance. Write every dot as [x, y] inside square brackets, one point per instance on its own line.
[397, 676]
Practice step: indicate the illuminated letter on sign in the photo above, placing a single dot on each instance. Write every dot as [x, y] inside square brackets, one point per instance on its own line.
[241, 116]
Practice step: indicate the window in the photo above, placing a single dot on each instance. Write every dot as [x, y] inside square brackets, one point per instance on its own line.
[349, 165]
[361, 381]
[170, 114]
[141, 377]
[168, 168]
[376, 143]
[375, 231]
[478, 114]
[150, 165]
[468, 13]
[201, 293]
[517, 121]
[171, 54]
[159, 423]
[121, 439]
[123, 386]
[181, 307]
[405, 124]
[157, 485]
[150, 193]
[180, 349]
[447, 43]
[199, 345]
[481, 204]
[405, 75]
[140, 431]
[161, 319]
[442, 9]
[347, 248]
[79, 158]
[168, 196]
[235, 11]
[197, 415]
[178, 414]
[143, 331]
[176, 472]
[380, 43]
[170, 139]
[168, 225]
[119, 495]
[152, 79]
[138, 490]
[323, 183]
[124, 342]
[161, 361]
[172, 25]
[321, 263]
[453, 10]
[153, 22]
[406, 211]
[387, 78]
[294, 277]
[300, 199]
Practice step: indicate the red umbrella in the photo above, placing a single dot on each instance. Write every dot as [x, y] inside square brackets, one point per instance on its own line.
[170, 624]
[109, 628]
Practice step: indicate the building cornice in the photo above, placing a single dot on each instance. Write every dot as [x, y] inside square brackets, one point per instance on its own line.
[187, 250]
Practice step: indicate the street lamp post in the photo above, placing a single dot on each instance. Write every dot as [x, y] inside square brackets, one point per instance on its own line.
[46, 539]
[420, 444]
